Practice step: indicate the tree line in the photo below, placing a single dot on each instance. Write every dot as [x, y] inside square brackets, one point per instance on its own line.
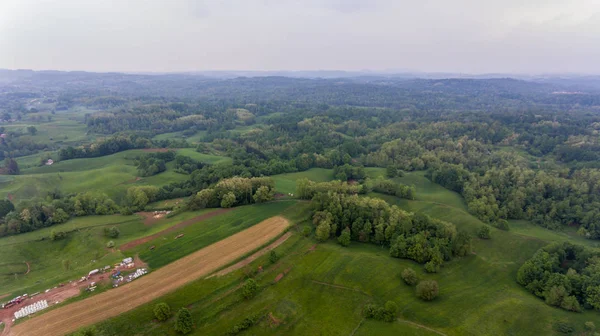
[412, 236]
[565, 275]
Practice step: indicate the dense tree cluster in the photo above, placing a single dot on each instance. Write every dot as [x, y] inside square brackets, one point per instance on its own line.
[386, 313]
[349, 173]
[234, 191]
[186, 165]
[153, 163]
[417, 237]
[30, 216]
[138, 197]
[516, 192]
[565, 275]
[105, 146]
[390, 187]
[307, 189]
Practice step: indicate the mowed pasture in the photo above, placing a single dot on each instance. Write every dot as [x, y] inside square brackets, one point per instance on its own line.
[111, 174]
[114, 302]
[325, 287]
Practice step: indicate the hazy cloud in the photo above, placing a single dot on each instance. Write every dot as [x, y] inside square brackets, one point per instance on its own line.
[183, 35]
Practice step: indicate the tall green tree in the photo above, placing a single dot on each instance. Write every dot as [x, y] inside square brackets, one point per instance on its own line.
[183, 321]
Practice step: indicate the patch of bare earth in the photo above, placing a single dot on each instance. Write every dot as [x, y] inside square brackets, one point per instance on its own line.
[53, 296]
[149, 217]
[67, 319]
[175, 227]
[253, 257]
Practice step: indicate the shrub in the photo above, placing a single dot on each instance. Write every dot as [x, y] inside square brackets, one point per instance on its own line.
[183, 322]
[245, 324]
[273, 257]
[113, 232]
[570, 303]
[228, 200]
[502, 224]
[563, 327]
[54, 235]
[391, 309]
[483, 232]
[590, 326]
[306, 231]
[126, 211]
[427, 290]
[370, 310]
[249, 288]
[162, 311]
[409, 276]
[344, 238]
[555, 295]
[386, 313]
[110, 244]
[88, 331]
[323, 231]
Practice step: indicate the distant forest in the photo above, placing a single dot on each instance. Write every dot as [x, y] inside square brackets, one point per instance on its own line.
[513, 149]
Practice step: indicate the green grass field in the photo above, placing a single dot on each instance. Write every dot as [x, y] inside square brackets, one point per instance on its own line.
[207, 232]
[84, 244]
[325, 290]
[286, 183]
[111, 174]
[324, 293]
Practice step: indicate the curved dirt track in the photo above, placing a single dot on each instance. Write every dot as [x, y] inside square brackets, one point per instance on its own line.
[69, 318]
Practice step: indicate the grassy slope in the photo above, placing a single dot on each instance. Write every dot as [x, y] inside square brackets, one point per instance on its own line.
[286, 183]
[478, 293]
[111, 174]
[325, 291]
[206, 232]
[85, 243]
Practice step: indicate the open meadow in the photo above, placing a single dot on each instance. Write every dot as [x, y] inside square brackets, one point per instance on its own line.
[110, 174]
[323, 288]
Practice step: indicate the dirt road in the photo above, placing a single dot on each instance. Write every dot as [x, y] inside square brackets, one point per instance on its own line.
[68, 319]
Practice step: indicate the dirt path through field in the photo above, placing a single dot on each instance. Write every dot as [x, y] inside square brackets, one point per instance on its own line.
[253, 257]
[175, 227]
[422, 326]
[67, 319]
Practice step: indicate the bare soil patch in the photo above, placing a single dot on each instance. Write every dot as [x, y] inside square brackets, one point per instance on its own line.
[67, 319]
[53, 296]
[253, 257]
[149, 217]
[175, 227]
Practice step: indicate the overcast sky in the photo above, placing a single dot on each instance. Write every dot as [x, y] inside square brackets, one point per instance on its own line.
[468, 36]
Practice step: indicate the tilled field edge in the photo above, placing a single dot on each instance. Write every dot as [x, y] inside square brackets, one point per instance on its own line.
[69, 318]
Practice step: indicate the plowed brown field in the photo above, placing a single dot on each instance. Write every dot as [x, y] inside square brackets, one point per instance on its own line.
[69, 318]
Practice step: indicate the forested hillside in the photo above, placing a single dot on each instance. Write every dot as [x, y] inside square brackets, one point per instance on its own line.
[514, 149]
